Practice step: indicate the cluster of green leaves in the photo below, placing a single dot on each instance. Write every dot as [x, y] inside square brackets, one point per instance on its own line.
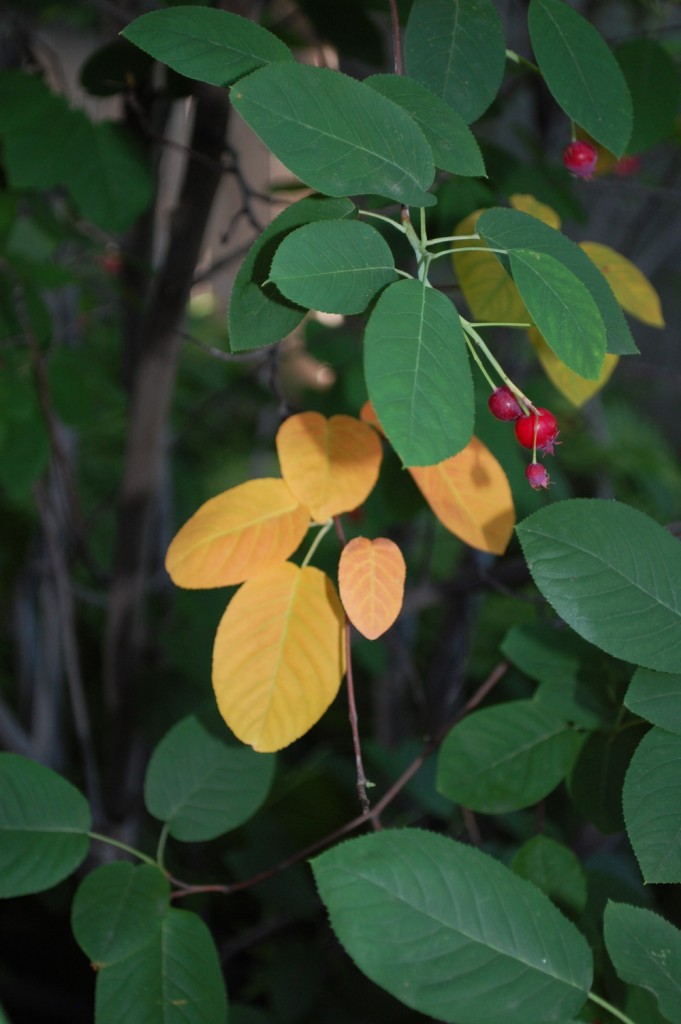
[448, 930]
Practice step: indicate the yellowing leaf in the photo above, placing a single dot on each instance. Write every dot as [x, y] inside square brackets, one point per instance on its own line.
[331, 465]
[278, 658]
[576, 389]
[528, 204]
[489, 291]
[631, 287]
[470, 495]
[367, 414]
[236, 535]
[371, 580]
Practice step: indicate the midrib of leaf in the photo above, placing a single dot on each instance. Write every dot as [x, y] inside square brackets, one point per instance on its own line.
[40, 829]
[412, 403]
[447, 925]
[282, 644]
[211, 46]
[571, 54]
[517, 751]
[647, 956]
[266, 517]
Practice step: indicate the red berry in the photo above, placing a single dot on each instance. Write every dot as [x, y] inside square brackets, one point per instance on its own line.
[504, 405]
[627, 166]
[537, 475]
[546, 430]
[580, 158]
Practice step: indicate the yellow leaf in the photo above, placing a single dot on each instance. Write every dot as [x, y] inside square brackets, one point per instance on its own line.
[371, 581]
[528, 204]
[236, 535]
[331, 465]
[470, 495]
[576, 389]
[487, 288]
[631, 287]
[278, 658]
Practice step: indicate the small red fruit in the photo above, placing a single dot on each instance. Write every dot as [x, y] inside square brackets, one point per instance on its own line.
[537, 475]
[504, 405]
[580, 158]
[546, 430]
[627, 166]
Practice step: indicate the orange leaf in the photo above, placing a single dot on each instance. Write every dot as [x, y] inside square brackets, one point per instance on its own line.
[368, 415]
[330, 465]
[470, 495]
[631, 287]
[371, 580]
[236, 535]
[278, 658]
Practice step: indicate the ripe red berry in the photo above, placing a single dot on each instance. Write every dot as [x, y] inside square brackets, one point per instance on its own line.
[580, 158]
[537, 475]
[627, 166]
[546, 427]
[504, 405]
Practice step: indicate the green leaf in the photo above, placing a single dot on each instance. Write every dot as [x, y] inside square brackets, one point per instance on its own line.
[581, 72]
[117, 909]
[596, 780]
[652, 805]
[336, 266]
[554, 869]
[646, 951]
[613, 574]
[337, 135]
[457, 50]
[653, 81]
[505, 757]
[511, 229]
[202, 785]
[562, 309]
[109, 178]
[417, 373]
[258, 313]
[656, 696]
[174, 979]
[454, 146]
[210, 45]
[450, 931]
[44, 822]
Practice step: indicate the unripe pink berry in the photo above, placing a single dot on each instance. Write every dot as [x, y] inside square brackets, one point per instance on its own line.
[544, 422]
[504, 405]
[580, 158]
[537, 475]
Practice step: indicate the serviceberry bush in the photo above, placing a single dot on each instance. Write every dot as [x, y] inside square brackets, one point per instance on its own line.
[325, 701]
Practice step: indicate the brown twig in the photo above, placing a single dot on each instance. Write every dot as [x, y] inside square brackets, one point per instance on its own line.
[397, 44]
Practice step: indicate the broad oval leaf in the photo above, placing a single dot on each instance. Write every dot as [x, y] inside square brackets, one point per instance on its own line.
[653, 80]
[174, 979]
[336, 266]
[646, 951]
[417, 373]
[656, 696]
[455, 148]
[581, 72]
[613, 574]
[554, 869]
[631, 287]
[471, 496]
[576, 389]
[371, 576]
[118, 909]
[44, 822]
[597, 777]
[488, 289]
[457, 51]
[651, 799]
[336, 134]
[330, 465]
[512, 229]
[239, 533]
[505, 757]
[278, 657]
[562, 309]
[209, 45]
[258, 313]
[451, 932]
[203, 786]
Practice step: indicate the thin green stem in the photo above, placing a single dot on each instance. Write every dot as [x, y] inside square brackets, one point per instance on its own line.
[123, 846]
[522, 398]
[522, 61]
[494, 323]
[404, 273]
[161, 847]
[424, 235]
[610, 1008]
[324, 529]
[466, 248]
[481, 366]
[388, 220]
[454, 238]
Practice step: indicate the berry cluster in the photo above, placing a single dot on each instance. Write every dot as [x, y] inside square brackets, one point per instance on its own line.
[536, 430]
